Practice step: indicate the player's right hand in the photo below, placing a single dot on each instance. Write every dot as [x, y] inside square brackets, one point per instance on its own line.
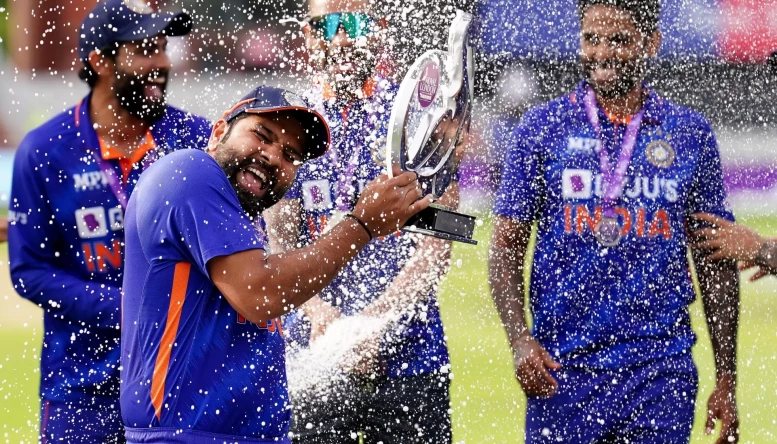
[532, 363]
[386, 204]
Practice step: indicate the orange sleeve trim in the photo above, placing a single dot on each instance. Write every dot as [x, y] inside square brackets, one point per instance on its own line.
[78, 113]
[180, 282]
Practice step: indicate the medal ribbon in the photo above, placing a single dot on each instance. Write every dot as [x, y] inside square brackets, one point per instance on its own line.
[613, 180]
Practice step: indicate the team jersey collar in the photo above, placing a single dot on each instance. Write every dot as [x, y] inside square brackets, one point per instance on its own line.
[109, 153]
[653, 107]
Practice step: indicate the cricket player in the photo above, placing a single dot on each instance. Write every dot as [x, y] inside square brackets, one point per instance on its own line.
[202, 346]
[400, 392]
[611, 173]
[71, 180]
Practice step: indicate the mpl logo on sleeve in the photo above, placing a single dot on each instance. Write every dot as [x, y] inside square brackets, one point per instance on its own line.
[316, 195]
[577, 184]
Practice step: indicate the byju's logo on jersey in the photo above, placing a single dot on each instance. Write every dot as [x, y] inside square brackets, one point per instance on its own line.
[576, 184]
[316, 195]
[91, 180]
[91, 222]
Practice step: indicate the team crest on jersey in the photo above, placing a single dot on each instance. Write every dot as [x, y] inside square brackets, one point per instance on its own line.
[576, 184]
[316, 195]
[138, 6]
[660, 153]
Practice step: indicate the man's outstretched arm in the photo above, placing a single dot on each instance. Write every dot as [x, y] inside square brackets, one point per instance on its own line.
[262, 288]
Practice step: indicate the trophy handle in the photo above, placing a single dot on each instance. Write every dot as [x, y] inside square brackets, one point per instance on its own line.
[458, 47]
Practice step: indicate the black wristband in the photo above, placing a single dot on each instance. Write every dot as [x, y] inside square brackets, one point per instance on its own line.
[359, 221]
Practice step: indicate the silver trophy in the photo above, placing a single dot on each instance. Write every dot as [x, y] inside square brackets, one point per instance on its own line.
[429, 119]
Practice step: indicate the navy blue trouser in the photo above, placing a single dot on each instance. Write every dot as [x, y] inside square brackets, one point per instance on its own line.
[652, 403]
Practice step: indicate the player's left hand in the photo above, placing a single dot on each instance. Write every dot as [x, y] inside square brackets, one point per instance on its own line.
[722, 406]
[726, 239]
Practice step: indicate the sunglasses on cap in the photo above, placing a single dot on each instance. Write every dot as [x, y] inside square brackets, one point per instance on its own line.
[355, 24]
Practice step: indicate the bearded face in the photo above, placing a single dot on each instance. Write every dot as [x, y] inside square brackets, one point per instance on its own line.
[260, 156]
[140, 75]
[612, 79]
[343, 46]
[253, 180]
[142, 95]
[348, 66]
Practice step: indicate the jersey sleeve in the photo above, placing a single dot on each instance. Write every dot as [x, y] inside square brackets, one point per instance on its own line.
[35, 247]
[520, 191]
[189, 203]
[708, 191]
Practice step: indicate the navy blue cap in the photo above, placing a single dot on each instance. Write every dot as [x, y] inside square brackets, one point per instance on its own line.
[117, 21]
[266, 99]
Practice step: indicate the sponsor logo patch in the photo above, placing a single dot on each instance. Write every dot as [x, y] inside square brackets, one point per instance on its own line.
[91, 222]
[582, 145]
[295, 99]
[316, 195]
[576, 184]
[91, 180]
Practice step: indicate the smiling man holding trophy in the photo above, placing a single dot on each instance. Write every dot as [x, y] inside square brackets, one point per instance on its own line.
[376, 330]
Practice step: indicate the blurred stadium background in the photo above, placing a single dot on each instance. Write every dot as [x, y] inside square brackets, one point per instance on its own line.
[714, 58]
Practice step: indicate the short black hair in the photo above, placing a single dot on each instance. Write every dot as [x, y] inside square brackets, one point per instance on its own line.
[88, 74]
[644, 12]
[231, 124]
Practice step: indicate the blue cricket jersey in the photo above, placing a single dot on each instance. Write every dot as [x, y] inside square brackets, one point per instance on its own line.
[66, 246]
[358, 132]
[193, 370]
[602, 307]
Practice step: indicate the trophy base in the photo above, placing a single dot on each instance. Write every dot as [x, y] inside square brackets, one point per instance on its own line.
[443, 223]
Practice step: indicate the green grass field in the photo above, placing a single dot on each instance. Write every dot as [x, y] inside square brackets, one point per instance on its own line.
[488, 406]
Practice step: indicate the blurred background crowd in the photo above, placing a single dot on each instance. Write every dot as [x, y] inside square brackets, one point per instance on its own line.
[715, 57]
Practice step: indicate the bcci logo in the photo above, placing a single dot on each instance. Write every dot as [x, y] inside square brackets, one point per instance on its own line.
[660, 154]
[138, 6]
